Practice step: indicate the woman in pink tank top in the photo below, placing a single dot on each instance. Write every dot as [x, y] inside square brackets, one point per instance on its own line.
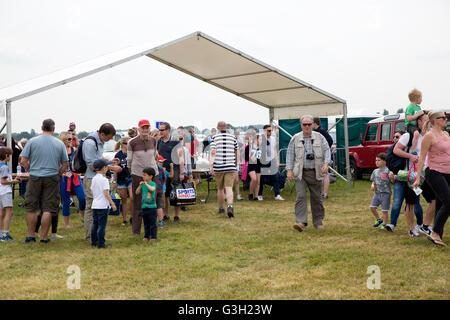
[436, 143]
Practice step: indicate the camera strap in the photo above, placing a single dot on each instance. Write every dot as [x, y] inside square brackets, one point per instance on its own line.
[312, 142]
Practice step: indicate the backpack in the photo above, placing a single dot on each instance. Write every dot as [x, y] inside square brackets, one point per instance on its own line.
[394, 162]
[78, 163]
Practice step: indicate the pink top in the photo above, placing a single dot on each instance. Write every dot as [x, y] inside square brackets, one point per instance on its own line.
[439, 154]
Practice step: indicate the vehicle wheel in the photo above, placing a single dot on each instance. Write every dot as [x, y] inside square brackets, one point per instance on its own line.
[355, 172]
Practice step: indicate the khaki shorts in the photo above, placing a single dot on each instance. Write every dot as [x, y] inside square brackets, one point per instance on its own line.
[42, 194]
[225, 179]
[6, 200]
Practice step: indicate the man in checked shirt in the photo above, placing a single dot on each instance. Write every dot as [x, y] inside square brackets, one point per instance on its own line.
[307, 161]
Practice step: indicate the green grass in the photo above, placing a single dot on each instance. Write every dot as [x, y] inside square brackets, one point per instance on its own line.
[257, 255]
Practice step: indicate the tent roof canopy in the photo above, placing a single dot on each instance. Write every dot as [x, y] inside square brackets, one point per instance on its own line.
[214, 62]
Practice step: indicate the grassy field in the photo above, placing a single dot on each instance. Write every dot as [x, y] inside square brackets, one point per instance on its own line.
[257, 255]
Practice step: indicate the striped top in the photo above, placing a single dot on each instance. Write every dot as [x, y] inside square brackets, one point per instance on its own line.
[225, 145]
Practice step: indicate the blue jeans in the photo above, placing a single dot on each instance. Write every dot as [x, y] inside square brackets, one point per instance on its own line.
[23, 184]
[399, 196]
[149, 216]
[100, 217]
[65, 195]
[271, 180]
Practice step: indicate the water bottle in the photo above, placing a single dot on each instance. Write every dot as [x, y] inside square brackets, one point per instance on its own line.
[19, 171]
[412, 176]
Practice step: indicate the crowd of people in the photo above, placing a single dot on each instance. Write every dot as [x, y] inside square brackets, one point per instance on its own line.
[424, 170]
[148, 164]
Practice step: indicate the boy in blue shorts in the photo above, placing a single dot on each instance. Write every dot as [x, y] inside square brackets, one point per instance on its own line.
[381, 185]
[6, 200]
[149, 215]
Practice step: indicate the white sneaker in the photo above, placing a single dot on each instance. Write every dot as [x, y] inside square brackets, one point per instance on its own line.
[260, 198]
[279, 197]
[425, 230]
[239, 197]
[413, 233]
[389, 227]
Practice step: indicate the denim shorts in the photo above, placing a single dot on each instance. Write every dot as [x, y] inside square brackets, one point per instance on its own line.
[381, 198]
[125, 186]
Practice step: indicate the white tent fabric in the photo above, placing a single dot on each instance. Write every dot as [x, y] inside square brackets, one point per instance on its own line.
[212, 61]
[227, 68]
[209, 60]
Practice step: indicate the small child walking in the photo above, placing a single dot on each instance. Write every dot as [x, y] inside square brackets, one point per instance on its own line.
[149, 214]
[100, 204]
[6, 200]
[381, 185]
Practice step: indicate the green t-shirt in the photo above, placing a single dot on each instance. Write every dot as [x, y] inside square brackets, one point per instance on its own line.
[148, 197]
[411, 110]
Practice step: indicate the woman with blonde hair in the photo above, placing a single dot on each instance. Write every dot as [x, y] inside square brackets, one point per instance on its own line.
[155, 134]
[122, 179]
[436, 144]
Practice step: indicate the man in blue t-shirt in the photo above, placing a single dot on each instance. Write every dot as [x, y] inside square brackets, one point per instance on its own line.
[45, 159]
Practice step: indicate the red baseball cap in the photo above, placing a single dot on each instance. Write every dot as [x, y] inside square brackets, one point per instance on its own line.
[143, 123]
[160, 158]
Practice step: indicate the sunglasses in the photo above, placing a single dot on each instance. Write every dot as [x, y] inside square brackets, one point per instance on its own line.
[69, 139]
[307, 124]
[125, 143]
[269, 130]
[397, 137]
[441, 117]
[162, 129]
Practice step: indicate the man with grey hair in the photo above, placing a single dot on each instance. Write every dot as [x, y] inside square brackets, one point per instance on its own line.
[307, 161]
[224, 159]
[45, 159]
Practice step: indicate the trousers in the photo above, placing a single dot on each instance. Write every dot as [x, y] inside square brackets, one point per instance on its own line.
[301, 204]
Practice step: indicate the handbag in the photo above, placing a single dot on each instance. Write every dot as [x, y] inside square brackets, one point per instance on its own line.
[116, 199]
[182, 194]
[244, 171]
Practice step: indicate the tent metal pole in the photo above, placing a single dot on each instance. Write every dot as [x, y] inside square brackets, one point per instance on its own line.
[331, 169]
[347, 156]
[335, 124]
[271, 114]
[8, 131]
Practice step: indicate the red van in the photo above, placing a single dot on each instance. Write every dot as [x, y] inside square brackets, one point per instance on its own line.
[378, 138]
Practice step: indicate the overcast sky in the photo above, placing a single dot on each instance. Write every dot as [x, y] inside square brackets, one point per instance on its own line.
[370, 53]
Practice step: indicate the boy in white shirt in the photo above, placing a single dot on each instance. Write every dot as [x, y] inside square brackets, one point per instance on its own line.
[6, 200]
[101, 203]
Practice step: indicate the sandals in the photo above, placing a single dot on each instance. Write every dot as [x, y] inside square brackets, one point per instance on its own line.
[437, 242]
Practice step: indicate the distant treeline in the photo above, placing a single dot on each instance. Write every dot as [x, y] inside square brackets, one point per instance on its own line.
[32, 133]
[83, 134]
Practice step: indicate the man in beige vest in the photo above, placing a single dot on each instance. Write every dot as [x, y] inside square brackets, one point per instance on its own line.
[307, 161]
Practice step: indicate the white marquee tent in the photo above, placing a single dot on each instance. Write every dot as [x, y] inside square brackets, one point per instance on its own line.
[214, 62]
